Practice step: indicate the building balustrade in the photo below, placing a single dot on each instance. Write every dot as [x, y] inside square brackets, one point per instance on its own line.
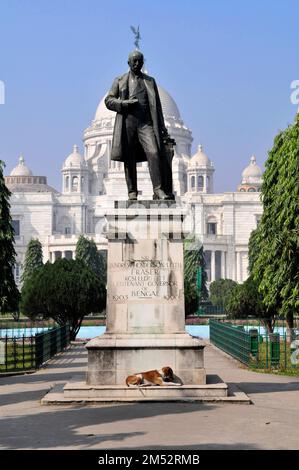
[216, 239]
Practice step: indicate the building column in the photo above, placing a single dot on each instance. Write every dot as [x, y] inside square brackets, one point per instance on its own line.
[241, 267]
[238, 271]
[212, 266]
[223, 267]
[204, 189]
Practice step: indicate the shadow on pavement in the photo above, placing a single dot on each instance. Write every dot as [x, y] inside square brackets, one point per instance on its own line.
[266, 387]
[52, 427]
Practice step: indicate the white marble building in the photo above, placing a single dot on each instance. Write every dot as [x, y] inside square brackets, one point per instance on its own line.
[90, 183]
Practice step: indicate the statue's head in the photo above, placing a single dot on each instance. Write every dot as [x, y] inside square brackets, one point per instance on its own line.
[136, 61]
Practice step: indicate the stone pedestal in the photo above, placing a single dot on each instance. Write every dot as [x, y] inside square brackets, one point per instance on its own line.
[145, 298]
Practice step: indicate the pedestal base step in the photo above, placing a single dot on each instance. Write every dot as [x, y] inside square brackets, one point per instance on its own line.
[79, 392]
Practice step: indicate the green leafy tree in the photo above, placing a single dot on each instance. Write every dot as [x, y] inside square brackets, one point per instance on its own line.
[253, 250]
[267, 313]
[275, 266]
[33, 258]
[220, 291]
[9, 294]
[65, 291]
[245, 301]
[86, 250]
[193, 260]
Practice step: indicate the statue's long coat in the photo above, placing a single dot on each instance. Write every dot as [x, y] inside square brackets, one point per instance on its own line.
[120, 91]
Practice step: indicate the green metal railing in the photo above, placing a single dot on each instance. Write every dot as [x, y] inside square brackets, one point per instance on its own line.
[207, 310]
[21, 352]
[231, 339]
[50, 343]
[248, 345]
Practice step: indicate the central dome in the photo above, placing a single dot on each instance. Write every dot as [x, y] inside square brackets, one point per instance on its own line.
[169, 107]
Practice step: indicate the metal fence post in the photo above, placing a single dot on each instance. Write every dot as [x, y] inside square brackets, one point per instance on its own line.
[39, 349]
[254, 342]
[6, 353]
[275, 348]
[23, 352]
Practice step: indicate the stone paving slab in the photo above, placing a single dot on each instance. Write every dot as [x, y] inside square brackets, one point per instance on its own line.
[270, 423]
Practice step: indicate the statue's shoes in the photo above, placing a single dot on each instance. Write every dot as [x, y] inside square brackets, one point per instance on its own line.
[132, 196]
[160, 195]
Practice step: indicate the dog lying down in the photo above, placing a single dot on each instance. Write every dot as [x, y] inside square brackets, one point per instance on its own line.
[162, 377]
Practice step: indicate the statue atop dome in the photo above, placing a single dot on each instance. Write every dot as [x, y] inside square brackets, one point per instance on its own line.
[140, 133]
[137, 35]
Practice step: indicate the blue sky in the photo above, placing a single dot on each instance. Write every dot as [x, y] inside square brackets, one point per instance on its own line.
[228, 65]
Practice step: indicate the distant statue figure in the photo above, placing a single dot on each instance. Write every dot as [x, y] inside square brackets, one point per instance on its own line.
[139, 131]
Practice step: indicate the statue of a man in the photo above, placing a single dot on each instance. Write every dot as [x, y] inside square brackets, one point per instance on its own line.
[139, 131]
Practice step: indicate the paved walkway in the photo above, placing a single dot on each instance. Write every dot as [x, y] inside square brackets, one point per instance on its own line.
[270, 423]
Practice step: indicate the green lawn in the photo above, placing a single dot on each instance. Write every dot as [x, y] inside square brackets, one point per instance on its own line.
[19, 358]
[263, 364]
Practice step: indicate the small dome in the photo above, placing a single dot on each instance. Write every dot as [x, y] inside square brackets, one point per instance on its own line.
[74, 160]
[21, 169]
[252, 177]
[199, 159]
[252, 170]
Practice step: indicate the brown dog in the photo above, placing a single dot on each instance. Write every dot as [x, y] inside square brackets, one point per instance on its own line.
[152, 377]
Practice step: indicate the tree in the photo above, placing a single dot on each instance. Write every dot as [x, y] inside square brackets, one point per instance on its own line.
[193, 261]
[9, 294]
[220, 291]
[275, 268]
[86, 250]
[33, 258]
[65, 291]
[253, 249]
[268, 313]
[245, 301]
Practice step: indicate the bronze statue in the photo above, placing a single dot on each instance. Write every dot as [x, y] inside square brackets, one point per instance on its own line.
[139, 131]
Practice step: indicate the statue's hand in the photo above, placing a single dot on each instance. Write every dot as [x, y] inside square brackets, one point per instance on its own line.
[167, 139]
[128, 103]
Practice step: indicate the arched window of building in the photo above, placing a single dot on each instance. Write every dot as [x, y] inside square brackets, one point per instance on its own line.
[200, 182]
[67, 183]
[16, 227]
[57, 255]
[75, 183]
[217, 265]
[184, 182]
[17, 273]
[251, 190]
[65, 226]
[212, 226]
